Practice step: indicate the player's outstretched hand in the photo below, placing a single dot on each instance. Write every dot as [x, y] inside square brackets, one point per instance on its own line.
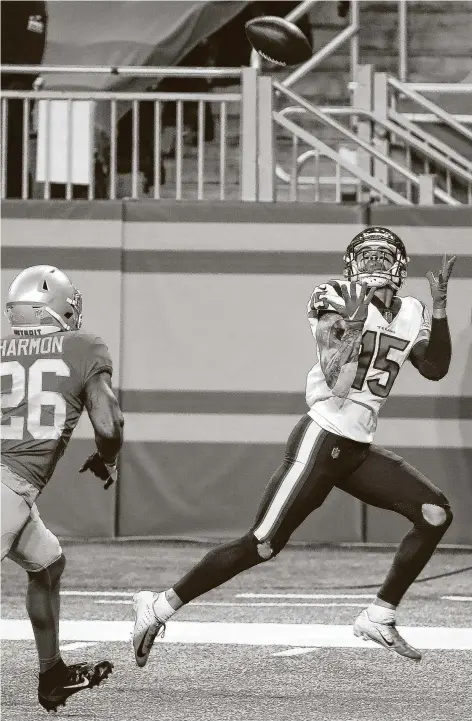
[100, 469]
[438, 284]
[356, 306]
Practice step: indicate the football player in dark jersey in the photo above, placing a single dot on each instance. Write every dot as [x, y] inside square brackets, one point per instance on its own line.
[50, 371]
[364, 332]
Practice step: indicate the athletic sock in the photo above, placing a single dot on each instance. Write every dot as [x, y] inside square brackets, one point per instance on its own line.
[50, 675]
[381, 614]
[162, 608]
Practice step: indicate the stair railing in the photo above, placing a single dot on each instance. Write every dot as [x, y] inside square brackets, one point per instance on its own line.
[305, 107]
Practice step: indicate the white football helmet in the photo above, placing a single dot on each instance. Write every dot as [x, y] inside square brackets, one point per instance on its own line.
[377, 257]
[42, 300]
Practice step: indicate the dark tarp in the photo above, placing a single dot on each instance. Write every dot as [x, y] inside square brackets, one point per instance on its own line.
[127, 34]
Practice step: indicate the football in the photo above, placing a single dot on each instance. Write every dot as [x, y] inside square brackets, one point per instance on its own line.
[278, 40]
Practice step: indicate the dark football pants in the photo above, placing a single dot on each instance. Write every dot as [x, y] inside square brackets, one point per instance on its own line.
[315, 462]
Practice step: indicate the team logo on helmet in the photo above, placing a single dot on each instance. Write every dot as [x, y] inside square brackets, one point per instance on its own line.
[391, 251]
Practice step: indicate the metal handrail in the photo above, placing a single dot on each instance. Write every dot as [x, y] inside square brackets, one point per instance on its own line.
[117, 95]
[446, 117]
[361, 143]
[104, 143]
[369, 180]
[418, 144]
[323, 53]
[430, 118]
[428, 138]
[311, 179]
[408, 174]
[351, 32]
[440, 87]
[125, 70]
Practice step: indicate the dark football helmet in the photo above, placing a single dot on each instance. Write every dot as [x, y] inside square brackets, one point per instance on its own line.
[378, 247]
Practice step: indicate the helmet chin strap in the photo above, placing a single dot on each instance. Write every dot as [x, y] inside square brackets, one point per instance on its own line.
[374, 281]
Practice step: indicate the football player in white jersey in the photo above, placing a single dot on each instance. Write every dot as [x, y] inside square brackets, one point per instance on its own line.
[364, 333]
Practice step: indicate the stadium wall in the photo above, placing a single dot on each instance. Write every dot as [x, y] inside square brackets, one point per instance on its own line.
[203, 308]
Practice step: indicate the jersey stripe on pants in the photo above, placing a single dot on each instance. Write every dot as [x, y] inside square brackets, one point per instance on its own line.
[292, 480]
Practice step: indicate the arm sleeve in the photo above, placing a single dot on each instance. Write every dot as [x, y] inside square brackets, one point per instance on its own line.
[431, 355]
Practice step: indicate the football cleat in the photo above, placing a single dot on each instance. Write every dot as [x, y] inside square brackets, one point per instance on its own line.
[146, 626]
[385, 634]
[77, 677]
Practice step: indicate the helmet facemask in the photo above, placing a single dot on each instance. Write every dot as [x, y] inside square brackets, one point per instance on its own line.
[377, 258]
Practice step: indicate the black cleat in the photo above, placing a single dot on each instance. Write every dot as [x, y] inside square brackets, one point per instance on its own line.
[77, 677]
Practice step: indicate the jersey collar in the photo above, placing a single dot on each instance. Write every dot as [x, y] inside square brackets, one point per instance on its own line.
[388, 314]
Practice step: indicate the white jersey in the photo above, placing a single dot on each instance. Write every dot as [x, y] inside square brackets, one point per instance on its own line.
[386, 345]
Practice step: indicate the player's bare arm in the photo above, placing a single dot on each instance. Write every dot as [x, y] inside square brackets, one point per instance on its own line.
[105, 415]
[339, 347]
[339, 338]
[432, 355]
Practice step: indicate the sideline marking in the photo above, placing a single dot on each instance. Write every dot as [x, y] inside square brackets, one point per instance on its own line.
[305, 595]
[248, 634]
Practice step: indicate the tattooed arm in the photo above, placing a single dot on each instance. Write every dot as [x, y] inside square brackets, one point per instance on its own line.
[339, 342]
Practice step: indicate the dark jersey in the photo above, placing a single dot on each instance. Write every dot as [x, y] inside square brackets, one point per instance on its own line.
[43, 379]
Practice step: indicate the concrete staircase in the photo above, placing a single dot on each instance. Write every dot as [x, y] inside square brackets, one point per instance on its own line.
[439, 50]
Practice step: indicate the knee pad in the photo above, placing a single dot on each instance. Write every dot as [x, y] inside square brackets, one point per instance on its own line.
[436, 516]
[267, 549]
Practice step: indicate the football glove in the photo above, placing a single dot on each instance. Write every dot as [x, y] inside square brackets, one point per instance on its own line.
[100, 469]
[438, 284]
[355, 306]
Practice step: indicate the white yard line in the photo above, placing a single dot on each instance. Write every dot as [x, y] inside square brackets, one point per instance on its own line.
[456, 598]
[297, 651]
[76, 644]
[97, 593]
[250, 634]
[242, 605]
[305, 595]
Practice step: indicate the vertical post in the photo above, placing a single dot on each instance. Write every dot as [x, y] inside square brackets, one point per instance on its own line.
[248, 137]
[402, 40]
[135, 150]
[426, 189]
[25, 150]
[380, 107]
[355, 38]
[4, 148]
[265, 132]
[200, 152]
[113, 134]
[223, 150]
[157, 149]
[362, 99]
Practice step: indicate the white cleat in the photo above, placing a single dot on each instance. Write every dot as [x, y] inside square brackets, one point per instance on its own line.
[385, 634]
[146, 626]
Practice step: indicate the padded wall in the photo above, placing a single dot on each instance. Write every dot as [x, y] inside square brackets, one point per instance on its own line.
[212, 350]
